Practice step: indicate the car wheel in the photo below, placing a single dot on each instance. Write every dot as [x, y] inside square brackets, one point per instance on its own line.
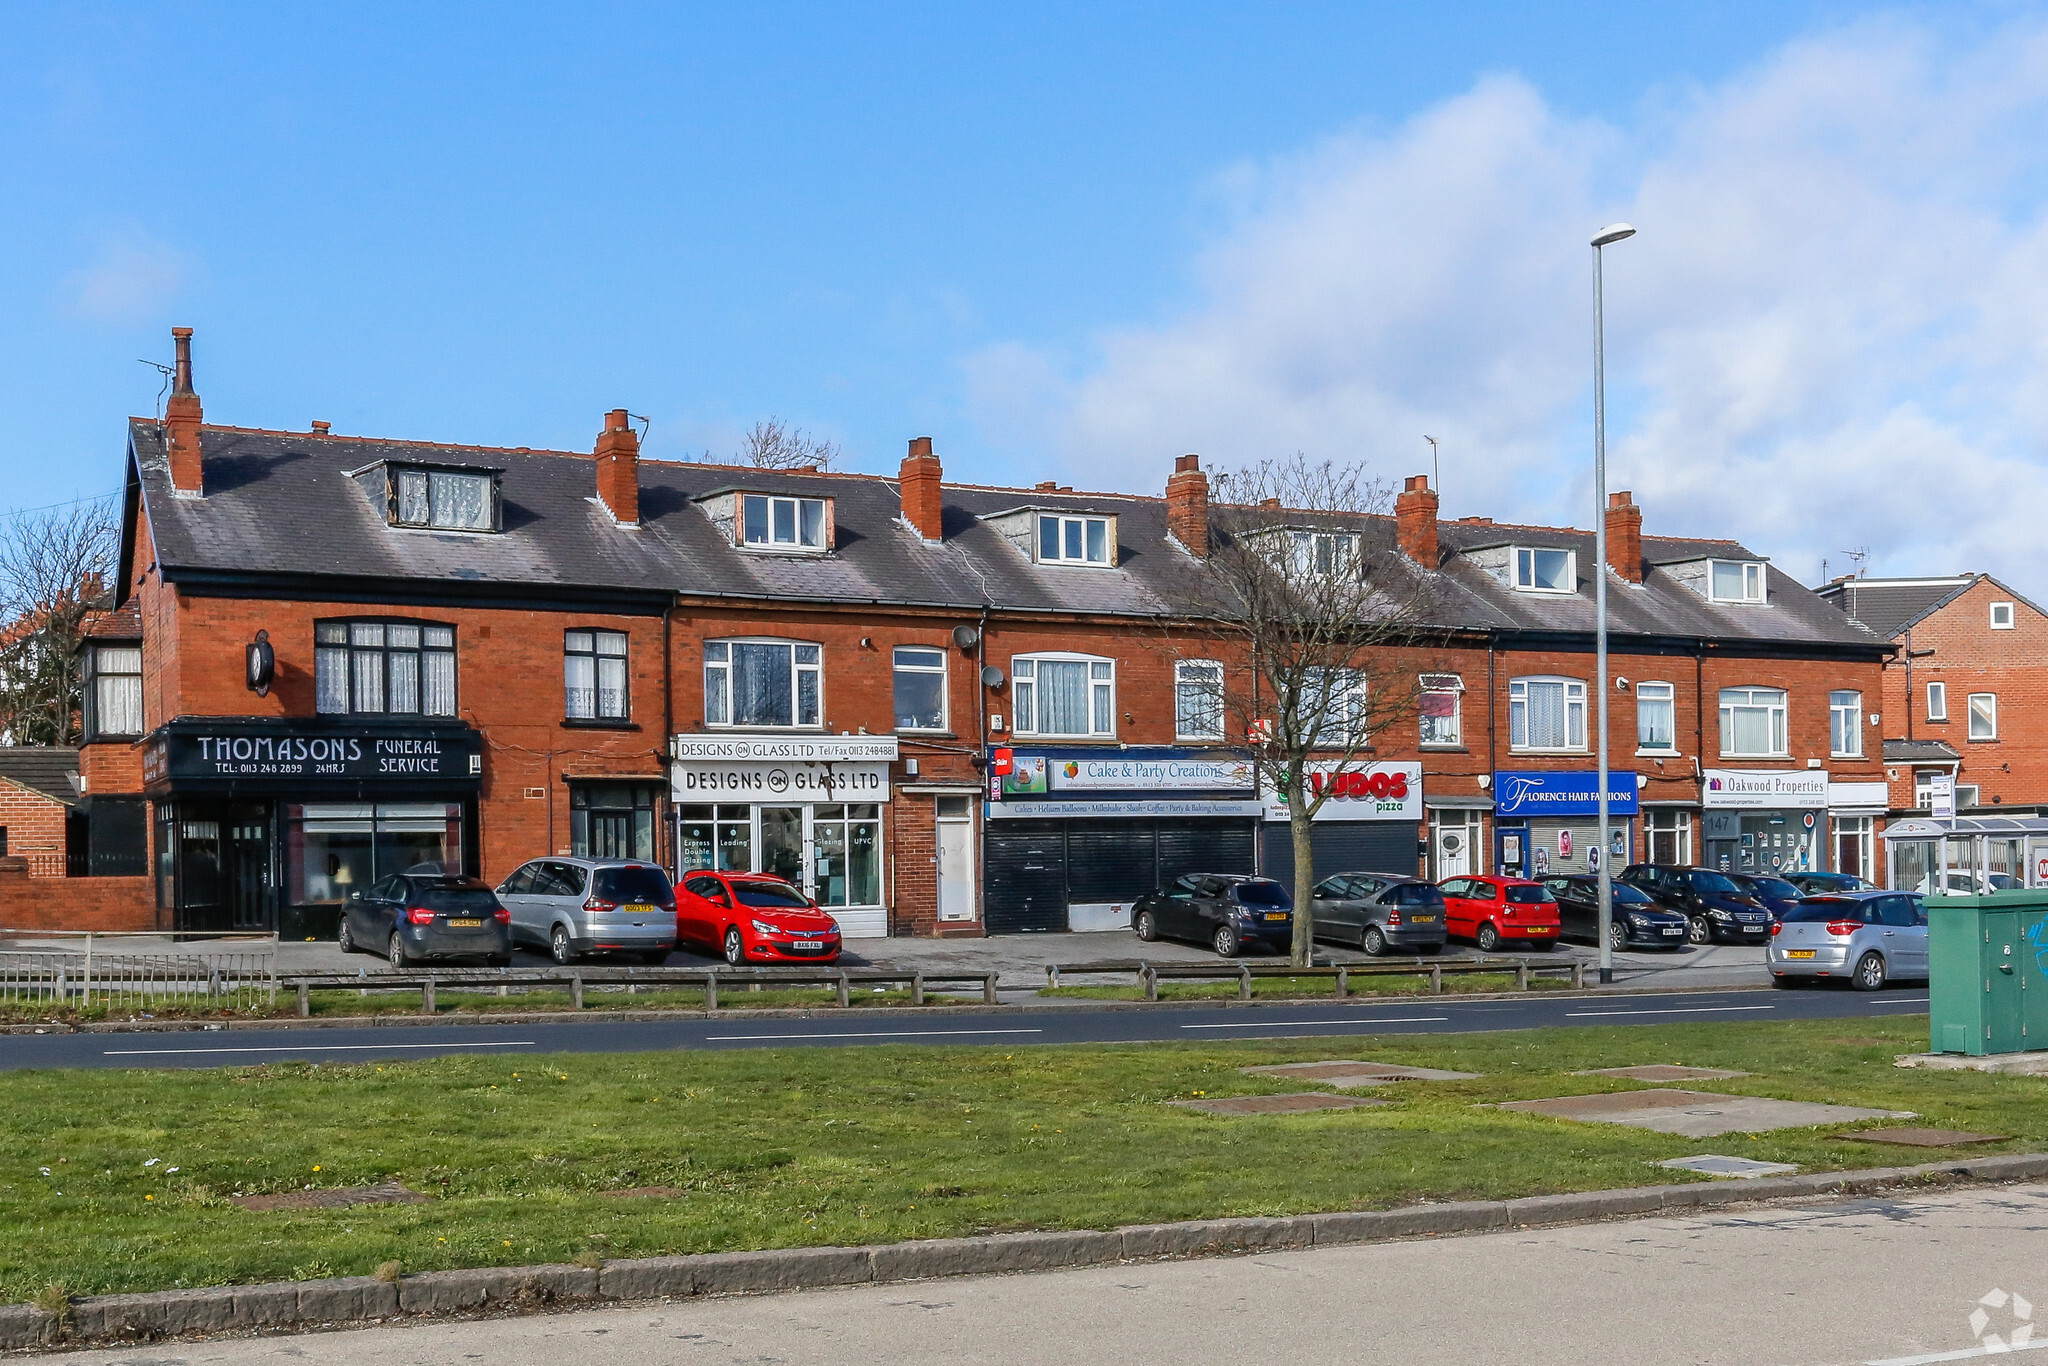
[345, 941]
[1488, 938]
[735, 947]
[1147, 928]
[1373, 941]
[559, 946]
[1697, 931]
[1869, 972]
[1225, 942]
[395, 951]
[1617, 936]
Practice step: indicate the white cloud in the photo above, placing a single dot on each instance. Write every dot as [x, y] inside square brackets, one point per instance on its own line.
[131, 278]
[1828, 335]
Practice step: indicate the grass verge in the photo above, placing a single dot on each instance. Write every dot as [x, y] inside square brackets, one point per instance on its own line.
[1293, 988]
[121, 1181]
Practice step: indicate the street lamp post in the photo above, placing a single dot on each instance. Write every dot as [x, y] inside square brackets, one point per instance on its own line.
[1612, 233]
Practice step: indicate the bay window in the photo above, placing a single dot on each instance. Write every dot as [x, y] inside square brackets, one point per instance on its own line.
[398, 668]
[1064, 695]
[762, 683]
[1547, 713]
[1753, 723]
[113, 694]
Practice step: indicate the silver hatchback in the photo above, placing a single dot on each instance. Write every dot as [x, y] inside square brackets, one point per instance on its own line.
[1863, 938]
[575, 906]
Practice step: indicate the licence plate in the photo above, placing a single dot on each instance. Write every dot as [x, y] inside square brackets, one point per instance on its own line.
[1799, 953]
[1674, 929]
[808, 944]
[1422, 920]
[466, 923]
[1276, 915]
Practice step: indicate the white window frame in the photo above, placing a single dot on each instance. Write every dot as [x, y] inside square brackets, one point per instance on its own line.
[1198, 700]
[1306, 557]
[1024, 680]
[1989, 712]
[1061, 522]
[1668, 822]
[2002, 609]
[1574, 714]
[1776, 715]
[1937, 701]
[1845, 720]
[1524, 556]
[807, 536]
[1864, 829]
[1753, 583]
[1352, 684]
[1442, 685]
[897, 666]
[1969, 794]
[1648, 691]
[718, 700]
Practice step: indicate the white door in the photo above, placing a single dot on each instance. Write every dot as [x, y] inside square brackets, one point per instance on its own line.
[956, 865]
[1454, 841]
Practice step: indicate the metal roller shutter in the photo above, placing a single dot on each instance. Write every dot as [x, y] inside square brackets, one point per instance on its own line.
[1025, 882]
[1344, 847]
[1110, 860]
[1206, 846]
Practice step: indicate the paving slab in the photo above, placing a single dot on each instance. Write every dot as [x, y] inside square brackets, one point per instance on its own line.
[1714, 1164]
[1922, 1138]
[1346, 1072]
[1289, 1104]
[1662, 1071]
[1697, 1114]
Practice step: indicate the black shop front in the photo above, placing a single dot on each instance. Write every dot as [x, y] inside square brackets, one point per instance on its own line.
[269, 824]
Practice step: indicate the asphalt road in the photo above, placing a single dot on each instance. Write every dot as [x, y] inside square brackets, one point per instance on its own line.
[1006, 1026]
[1887, 1281]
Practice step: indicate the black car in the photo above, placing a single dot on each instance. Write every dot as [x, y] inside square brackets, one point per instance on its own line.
[1775, 894]
[1639, 922]
[1380, 912]
[1715, 908]
[1228, 911]
[411, 916]
[1823, 884]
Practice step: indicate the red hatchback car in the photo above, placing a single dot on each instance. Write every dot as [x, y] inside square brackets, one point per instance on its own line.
[753, 918]
[1492, 911]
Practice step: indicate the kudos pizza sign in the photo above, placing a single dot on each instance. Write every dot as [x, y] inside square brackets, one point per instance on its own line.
[1360, 792]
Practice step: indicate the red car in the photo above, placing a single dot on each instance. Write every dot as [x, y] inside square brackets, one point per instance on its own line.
[753, 918]
[1494, 911]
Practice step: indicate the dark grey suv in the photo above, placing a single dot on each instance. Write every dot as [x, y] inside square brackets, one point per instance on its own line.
[1380, 913]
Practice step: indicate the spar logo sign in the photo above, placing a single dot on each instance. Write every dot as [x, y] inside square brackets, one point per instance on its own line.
[1366, 792]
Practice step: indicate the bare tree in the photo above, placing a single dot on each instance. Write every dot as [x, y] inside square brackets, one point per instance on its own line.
[773, 444]
[1322, 628]
[56, 567]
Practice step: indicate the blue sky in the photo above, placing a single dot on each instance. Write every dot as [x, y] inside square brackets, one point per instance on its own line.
[1029, 236]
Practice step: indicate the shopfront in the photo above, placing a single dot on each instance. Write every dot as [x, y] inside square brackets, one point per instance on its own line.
[1765, 821]
[1371, 822]
[807, 809]
[271, 824]
[1074, 836]
[1548, 821]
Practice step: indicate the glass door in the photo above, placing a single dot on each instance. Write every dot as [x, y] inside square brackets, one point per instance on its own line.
[782, 844]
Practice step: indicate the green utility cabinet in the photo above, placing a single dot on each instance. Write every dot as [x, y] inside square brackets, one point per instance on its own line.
[1988, 972]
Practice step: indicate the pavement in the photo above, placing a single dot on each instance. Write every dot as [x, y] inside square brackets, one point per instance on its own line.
[1899, 1280]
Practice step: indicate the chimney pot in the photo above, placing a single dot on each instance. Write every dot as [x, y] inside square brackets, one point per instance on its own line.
[1187, 505]
[182, 415]
[321, 428]
[923, 497]
[618, 468]
[1415, 521]
[1625, 536]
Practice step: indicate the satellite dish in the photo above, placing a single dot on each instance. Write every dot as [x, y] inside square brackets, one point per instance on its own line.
[991, 676]
[966, 637]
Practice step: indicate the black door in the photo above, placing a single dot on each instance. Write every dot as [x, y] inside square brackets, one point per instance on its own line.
[245, 860]
[1025, 877]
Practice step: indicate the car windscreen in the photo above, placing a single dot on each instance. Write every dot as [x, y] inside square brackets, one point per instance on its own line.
[1266, 895]
[1828, 908]
[1778, 887]
[1625, 895]
[1714, 883]
[621, 885]
[1529, 896]
[772, 896]
[454, 899]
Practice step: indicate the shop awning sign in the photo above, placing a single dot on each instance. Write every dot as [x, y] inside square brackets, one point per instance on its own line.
[1536, 794]
[1735, 789]
[1124, 773]
[1359, 792]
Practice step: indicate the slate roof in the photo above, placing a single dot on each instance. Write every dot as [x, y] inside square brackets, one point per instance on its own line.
[1888, 607]
[49, 769]
[1920, 752]
[284, 503]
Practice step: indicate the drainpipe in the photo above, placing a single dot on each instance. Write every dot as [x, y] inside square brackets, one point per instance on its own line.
[668, 728]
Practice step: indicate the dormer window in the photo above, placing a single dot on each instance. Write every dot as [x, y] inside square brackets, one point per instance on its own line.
[1321, 552]
[795, 525]
[444, 499]
[1542, 570]
[1073, 540]
[1736, 581]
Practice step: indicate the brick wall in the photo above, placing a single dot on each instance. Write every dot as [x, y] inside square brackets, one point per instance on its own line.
[35, 828]
[78, 903]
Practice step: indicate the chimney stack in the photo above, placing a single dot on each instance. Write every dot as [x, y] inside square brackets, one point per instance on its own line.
[182, 415]
[920, 478]
[1187, 505]
[1415, 521]
[618, 468]
[1625, 536]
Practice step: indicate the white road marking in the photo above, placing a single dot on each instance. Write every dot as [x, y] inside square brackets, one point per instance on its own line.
[1302, 1024]
[1966, 1354]
[1680, 1010]
[310, 1048]
[871, 1034]
[1903, 1001]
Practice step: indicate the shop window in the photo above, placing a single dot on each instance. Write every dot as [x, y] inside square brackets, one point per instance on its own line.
[1669, 836]
[1547, 713]
[1735, 581]
[113, 691]
[444, 499]
[1753, 723]
[1656, 718]
[1441, 705]
[920, 688]
[335, 848]
[1845, 725]
[786, 524]
[399, 668]
[720, 837]
[1198, 699]
[1937, 701]
[762, 683]
[611, 820]
[2001, 616]
[848, 845]
[1334, 704]
[1074, 540]
[1540, 570]
[1983, 716]
[1064, 695]
[594, 675]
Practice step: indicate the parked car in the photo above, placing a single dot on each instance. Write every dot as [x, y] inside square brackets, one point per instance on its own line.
[1863, 938]
[1714, 907]
[1491, 911]
[574, 906]
[1380, 912]
[408, 917]
[1976, 884]
[1227, 911]
[1638, 921]
[1775, 894]
[1819, 884]
[754, 918]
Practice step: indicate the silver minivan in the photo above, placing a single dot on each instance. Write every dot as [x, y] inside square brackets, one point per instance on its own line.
[574, 906]
[1863, 938]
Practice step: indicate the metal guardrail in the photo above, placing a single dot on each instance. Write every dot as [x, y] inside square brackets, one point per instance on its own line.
[137, 969]
[1151, 974]
[576, 980]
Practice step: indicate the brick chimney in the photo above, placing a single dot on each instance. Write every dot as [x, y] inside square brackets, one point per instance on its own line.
[618, 468]
[1625, 536]
[1415, 521]
[182, 416]
[1187, 505]
[921, 500]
